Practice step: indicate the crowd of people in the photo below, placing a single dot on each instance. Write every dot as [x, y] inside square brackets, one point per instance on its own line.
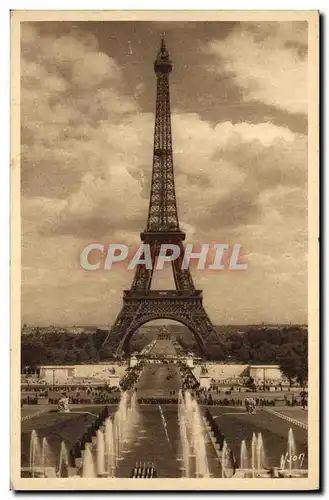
[101, 395]
[32, 380]
[81, 395]
[132, 376]
[239, 383]
[189, 382]
[223, 387]
[259, 402]
[236, 402]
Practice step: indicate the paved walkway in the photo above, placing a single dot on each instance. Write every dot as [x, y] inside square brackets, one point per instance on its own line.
[294, 417]
[296, 413]
[159, 380]
[163, 347]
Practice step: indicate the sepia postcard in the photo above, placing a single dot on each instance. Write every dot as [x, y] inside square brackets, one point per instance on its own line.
[164, 251]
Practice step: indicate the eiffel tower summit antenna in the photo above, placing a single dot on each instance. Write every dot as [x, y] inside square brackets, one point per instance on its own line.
[141, 304]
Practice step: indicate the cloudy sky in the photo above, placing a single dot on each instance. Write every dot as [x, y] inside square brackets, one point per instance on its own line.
[239, 113]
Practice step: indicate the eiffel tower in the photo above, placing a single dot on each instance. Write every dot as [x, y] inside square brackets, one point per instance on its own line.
[140, 303]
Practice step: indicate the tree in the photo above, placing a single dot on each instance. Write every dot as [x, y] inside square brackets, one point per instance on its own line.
[293, 360]
[243, 354]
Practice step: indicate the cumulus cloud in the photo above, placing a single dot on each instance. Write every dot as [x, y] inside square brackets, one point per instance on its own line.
[268, 61]
[68, 89]
[233, 164]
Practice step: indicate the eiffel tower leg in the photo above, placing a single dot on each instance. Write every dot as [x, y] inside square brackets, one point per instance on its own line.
[125, 325]
[211, 345]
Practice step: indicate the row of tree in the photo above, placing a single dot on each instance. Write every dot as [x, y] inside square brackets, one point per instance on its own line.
[286, 346]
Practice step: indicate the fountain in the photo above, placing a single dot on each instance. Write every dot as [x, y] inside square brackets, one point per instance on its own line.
[291, 449]
[257, 455]
[45, 455]
[88, 467]
[184, 444]
[192, 440]
[63, 468]
[133, 413]
[100, 453]
[99, 457]
[243, 455]
[253, 454]
[292, 461]
[185, 448]
[42, 462]
[223, 458]
[199, 445]
[290, 464]
[112, 440]
[125, 420]
[35, 454]
[129, 419]
[117, 436]
[109, 448]
[260, 454]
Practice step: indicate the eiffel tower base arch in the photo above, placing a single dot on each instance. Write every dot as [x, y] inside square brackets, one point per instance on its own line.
[136, 311]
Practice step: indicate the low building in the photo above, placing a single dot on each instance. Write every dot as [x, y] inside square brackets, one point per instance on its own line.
[234, 372]
[265, 372]
[110, 373]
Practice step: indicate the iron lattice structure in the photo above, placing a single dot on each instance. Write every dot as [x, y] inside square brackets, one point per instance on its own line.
[140, 303]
